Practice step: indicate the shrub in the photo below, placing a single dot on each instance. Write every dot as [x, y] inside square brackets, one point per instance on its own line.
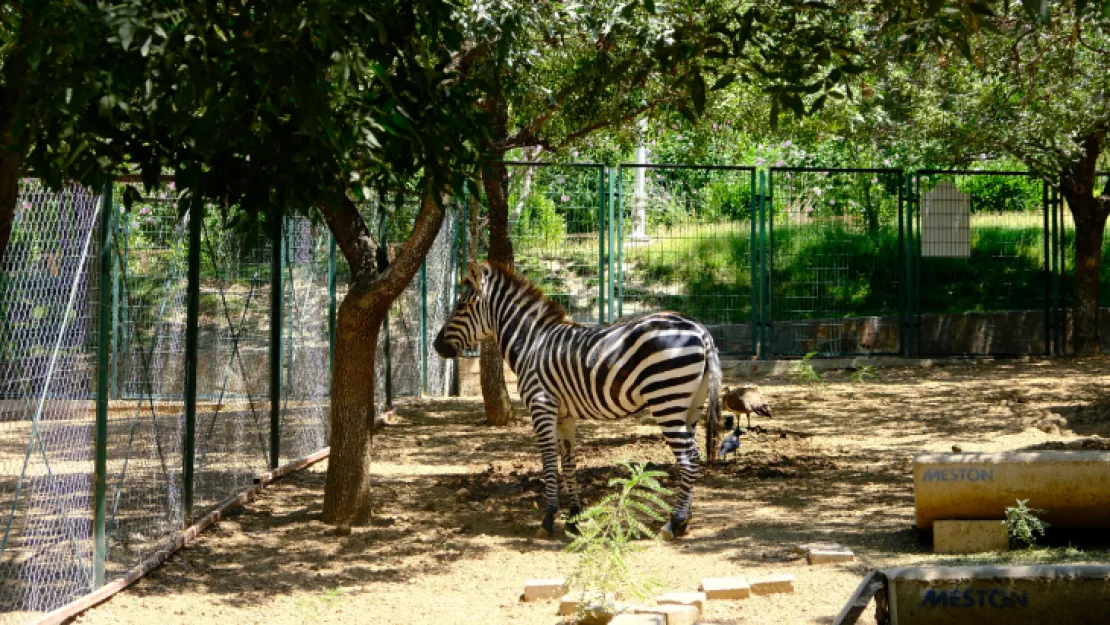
[540, 223]
[1001, 194]
[1022, 523]
[606, 531]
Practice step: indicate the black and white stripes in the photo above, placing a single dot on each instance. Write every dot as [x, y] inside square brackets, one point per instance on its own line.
[565, 371]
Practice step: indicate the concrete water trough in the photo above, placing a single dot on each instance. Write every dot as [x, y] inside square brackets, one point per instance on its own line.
[1071, 487]
[1063, 594]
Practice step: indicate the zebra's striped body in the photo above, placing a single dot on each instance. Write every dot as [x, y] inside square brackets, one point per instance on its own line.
[663, 362]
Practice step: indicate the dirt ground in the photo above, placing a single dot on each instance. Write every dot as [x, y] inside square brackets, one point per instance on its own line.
[458, 504]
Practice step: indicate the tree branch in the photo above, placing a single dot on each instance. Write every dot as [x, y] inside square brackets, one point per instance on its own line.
[415, 249]
[353, 238]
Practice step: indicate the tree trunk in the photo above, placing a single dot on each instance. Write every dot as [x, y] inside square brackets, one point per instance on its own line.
[1089, 212]
[9, 167]
[1088, 266]
[495, 180]
[347, 495]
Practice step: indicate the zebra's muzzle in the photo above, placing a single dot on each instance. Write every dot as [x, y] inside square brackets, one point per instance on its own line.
[443, 348]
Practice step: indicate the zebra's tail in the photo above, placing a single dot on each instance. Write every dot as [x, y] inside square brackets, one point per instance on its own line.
[713, 413]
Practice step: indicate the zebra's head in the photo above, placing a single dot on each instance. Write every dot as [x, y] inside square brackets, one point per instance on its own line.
[471, 321]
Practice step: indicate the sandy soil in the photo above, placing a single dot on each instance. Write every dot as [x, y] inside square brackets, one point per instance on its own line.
[458, 504]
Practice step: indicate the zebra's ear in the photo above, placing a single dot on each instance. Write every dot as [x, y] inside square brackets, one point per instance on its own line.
[474, 276]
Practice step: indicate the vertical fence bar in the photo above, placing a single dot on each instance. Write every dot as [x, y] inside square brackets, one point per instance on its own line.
[765, 268]
[620, 241]
[452, 276]
[612, 238]
[754, 253]
[192, 308]
[108, 272]
[424, 327]
[1047, 232]
[387, 349]
[115, 355]
[913, 190]
[277, 298]
[601, 245]
[1057, 269]
[331, 303]
[124, 234]
[902, 257]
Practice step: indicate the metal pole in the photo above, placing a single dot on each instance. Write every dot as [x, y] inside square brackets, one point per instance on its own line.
[903, 182]
[620, 242]
[331, 303]
[387, 350]
[125, 313]
[1047, 273]
[765, 270]
[754, 281]
[115, 316]
[277, 298]
[452, 276]
[424, 327]
[914, 192]
[192, 302]
[611, 239]
[108, 218]
[1057, 269]
[601, 245]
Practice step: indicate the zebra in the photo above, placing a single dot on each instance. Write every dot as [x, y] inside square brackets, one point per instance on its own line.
[565, 371]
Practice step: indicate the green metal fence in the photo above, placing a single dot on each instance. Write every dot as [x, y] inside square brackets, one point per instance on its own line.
[982, 264]
[834, 248]
[686, 241]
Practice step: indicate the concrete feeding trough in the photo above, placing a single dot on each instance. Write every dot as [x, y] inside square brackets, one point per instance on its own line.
[1072, 487]
[1015, 595]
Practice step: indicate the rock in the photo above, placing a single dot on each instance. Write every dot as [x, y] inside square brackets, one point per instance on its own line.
[696, 599]
[829, 556]
[674, 614]
[957, 449]
[342, 530]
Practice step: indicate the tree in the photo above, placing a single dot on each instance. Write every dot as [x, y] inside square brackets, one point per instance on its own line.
[1032, 85]
[266, 109]
[553, 74]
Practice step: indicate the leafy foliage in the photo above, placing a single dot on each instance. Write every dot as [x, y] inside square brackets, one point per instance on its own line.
[806, 374]
[863, 373]
[606, 534]
[1022, 523]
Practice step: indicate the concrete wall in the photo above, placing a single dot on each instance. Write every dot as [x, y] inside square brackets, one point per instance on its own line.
[1015, 595]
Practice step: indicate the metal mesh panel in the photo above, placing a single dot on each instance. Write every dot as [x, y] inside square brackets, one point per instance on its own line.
[981, 280]
[834, 261]
[1063, 287]
[233, 382]
[47, 383]
[305, 419]
[554, 225]
[684, 243]
[145, 428]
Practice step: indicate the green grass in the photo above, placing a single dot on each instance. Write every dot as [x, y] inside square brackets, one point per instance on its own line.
[832, 269]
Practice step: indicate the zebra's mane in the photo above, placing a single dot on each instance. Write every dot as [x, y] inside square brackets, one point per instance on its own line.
[552, 310]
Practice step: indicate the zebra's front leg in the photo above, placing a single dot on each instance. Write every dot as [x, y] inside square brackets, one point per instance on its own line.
[568, 453]
[689, 465]
[543, 424]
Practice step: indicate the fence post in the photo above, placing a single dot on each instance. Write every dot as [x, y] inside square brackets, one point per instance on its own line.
[1047, 272]
[276, 301]
[1057, 269]
[115, 310]
[453, 276]
[424, 327]
[753, 244]
[620, 241]
[612, 238]
[601, 245]
[331, 304]
[387, 350]
[192, 307]
[108, 217]
[911, 343]
[764, 270]
[903, 199]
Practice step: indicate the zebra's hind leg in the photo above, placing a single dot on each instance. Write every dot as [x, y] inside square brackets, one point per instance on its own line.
[680, 438]
[543, 424]
[568, 453]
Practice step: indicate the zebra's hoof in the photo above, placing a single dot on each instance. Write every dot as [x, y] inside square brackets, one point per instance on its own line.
[542, 533]
[547, 528]
[675, 528]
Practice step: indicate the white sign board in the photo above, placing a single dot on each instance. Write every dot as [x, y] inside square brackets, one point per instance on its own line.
[946, 222]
